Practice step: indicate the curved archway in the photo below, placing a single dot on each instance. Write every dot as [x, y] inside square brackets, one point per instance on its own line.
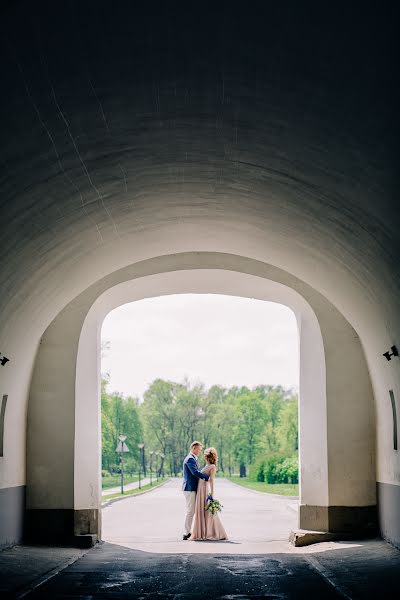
[336, 403]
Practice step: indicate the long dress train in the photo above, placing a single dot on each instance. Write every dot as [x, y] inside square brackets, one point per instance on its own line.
[206, 525]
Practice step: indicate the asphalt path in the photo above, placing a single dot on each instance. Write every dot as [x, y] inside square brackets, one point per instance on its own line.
[254, 521]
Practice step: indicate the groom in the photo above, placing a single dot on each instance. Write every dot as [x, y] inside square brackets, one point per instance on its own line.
[191, 476]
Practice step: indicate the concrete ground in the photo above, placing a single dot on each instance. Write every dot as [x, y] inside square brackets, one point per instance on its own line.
[144, 557]
[359, 571]
[255, 522]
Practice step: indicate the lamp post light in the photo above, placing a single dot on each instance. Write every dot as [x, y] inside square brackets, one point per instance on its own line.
[162, 465]
[157, 453]
[144, 463]
[121, 448]
[140, 446]
[151, 466]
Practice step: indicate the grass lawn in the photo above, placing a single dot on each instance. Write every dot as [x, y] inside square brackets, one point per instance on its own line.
[133, 492]
[114, 480]
[285, 489]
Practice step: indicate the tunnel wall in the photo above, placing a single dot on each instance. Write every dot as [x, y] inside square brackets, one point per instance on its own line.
[131, 134]
[337, 488]
[12, 515]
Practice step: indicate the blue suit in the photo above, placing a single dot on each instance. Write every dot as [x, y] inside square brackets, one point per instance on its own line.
[191, 474]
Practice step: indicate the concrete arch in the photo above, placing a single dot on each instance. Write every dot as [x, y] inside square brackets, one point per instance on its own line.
[336, 402]
[125, 139]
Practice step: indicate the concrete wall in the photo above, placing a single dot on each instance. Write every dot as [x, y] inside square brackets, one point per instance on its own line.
[12, 514]
[268, 135]
[343, 481]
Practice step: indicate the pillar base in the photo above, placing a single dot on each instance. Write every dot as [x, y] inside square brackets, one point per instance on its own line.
[62, 526]
[301, 537]
[88, 540]
[389, 511]
[338, 519]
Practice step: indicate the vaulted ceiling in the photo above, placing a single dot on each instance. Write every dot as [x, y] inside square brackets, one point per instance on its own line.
[132, 130]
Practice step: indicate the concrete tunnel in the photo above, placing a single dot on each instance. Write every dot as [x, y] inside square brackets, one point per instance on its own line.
[213, 147]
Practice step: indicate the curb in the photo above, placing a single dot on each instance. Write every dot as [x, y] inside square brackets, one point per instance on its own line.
[112, 500]
[110, 492]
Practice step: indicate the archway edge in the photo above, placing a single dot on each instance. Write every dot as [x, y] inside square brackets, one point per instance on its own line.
[326, 456]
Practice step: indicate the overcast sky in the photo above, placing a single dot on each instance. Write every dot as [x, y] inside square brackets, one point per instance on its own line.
[205, 337]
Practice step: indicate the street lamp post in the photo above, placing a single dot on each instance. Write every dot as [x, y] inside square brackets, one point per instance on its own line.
[140, 446]
[162, 465]
[157, 453]
[151, 466]
[121, 448]
[143, 463]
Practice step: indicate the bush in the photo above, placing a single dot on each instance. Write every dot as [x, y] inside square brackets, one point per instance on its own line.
[288, 470]
[275, 469]
[265, 469]
[256, 471]
[105, 473]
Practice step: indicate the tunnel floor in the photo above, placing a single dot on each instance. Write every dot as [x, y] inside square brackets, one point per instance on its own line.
[359, 570]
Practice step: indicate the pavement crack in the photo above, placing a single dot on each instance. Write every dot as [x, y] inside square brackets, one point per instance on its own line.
[330, 578]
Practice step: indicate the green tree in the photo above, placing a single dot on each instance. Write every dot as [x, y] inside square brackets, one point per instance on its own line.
[119, 415]
[251, 417]
[159, 412]
[287, 430]
[248, 427]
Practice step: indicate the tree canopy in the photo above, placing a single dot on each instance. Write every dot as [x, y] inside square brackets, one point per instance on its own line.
[245, 425]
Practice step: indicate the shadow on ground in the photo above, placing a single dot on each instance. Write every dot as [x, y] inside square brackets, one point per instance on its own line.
[366, 569]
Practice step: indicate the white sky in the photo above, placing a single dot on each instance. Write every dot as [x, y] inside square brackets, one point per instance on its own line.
[205, 337]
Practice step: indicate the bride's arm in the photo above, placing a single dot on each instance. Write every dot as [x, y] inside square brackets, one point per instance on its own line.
[212, 476]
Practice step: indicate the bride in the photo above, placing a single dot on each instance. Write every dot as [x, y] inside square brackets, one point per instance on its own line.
[206, 525]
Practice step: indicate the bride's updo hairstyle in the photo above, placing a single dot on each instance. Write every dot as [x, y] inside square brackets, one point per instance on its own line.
[211, 456]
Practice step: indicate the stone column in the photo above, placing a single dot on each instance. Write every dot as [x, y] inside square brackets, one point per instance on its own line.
[337, 434]
[53, 513]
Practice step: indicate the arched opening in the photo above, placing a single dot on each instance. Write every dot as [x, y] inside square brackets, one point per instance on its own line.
[337, 480]
[215, 368]
[148, 138]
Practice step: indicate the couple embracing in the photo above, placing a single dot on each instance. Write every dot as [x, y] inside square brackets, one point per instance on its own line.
[198, 489]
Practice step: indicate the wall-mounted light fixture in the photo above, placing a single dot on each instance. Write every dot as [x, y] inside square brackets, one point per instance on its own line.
[3, 359]
[394, 352]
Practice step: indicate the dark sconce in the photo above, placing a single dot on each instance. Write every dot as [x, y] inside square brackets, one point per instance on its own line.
[3, 360]
[394, 352]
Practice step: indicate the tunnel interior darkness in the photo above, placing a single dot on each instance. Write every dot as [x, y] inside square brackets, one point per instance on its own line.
[160, 138]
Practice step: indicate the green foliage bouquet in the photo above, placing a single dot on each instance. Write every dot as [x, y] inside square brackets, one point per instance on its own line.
[213, 505]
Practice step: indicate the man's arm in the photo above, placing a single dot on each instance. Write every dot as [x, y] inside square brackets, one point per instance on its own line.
[191, 463]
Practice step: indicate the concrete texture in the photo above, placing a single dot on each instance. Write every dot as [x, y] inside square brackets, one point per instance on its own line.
[73, 339]
[337, 519]
[153, 522]
[51, 525]
[12, 506]
[134, 132]
[148, 558]
[359, 571]
[304, 537]
[24, 567]
[389, 501]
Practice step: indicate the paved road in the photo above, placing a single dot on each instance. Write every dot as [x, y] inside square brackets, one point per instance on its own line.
[148, 558]
[255, 522]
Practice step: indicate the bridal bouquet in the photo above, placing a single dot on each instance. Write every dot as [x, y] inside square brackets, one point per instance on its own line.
[213, 505]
